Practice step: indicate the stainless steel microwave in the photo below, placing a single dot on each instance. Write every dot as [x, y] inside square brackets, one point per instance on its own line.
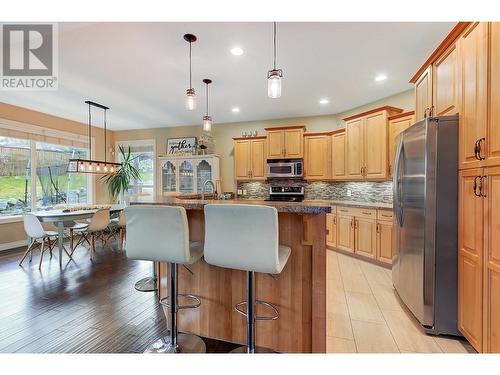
[285, 168]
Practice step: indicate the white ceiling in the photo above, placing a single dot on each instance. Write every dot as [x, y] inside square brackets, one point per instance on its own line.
[140, 70]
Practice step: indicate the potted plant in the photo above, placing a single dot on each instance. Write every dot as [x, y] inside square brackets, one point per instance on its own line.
[119, 182]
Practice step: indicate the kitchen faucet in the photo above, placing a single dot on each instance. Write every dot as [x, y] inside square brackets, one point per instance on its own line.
[208, 182]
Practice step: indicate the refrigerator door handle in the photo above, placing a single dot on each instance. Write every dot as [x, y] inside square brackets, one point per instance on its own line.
[396, 184]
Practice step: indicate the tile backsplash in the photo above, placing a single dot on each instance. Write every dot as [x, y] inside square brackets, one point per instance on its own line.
[379, 192]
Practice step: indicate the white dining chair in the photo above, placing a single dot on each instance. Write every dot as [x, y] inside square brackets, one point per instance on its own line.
[97, 224]
[39, 238]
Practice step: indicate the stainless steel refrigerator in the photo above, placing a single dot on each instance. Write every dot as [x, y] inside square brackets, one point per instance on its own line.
[425, 188]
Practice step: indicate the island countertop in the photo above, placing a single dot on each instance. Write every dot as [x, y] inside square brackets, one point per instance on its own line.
[299, 292]
[304, 207]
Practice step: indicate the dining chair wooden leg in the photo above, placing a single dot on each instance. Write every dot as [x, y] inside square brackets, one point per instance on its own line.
[71, 235]
[30, 248]
[68, 254]
[122, 237]
[42, 251]
[92, 245]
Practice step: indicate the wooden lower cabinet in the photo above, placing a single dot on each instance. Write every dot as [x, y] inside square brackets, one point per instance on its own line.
[492, 260]
[331, 226]
[470, 258]
[366, 232]
[384, 242]
[365, 237]
[345, 232]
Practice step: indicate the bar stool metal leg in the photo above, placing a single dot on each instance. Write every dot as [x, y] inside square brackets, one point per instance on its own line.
[251, 318]
[148, 284]
[176, 342]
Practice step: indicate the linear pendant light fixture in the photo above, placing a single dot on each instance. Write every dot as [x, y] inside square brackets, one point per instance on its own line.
[190, 94]
[90, 165]
[207, 119]
[274, 75]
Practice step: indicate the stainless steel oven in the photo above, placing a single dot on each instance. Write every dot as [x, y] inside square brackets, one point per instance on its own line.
[285, 168]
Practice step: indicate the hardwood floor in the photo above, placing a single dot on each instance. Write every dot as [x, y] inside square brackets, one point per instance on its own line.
[87, 307]
[365, 315]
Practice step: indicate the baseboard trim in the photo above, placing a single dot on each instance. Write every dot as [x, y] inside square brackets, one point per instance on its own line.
[12, 245]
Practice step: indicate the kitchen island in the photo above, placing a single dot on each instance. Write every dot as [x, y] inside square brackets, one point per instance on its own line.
[299, 292]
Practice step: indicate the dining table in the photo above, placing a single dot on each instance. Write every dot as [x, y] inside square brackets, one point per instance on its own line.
[67, 215]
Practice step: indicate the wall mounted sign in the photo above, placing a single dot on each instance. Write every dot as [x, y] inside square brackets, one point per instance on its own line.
[181, 145]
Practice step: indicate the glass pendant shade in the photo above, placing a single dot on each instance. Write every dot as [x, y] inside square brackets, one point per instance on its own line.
[190, 100]
[274, 83]
[207, 123]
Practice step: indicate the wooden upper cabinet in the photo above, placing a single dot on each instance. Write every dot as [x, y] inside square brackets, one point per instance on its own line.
[250, 158]
[366, 144]
[241, 159]
[275, 144]
[470, 258]
[473, 49]
[445, 83]
[258, 159]
[294, 143]
[375, 146]
[318, 156]
[354, 148]
[338, 156]
[285, 142]
[492, 260]
[493, 131]
[423, 94]
[397, 124]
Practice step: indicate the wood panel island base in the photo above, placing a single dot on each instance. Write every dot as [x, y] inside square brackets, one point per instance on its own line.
[299, 292]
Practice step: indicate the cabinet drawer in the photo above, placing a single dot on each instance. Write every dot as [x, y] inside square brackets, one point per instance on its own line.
[348, 211]
[368, 213]
[384, 215]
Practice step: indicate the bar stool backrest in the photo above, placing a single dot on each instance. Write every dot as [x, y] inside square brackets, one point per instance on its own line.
[33, 227]
[157, 233]
[99, 221]
[243, 237]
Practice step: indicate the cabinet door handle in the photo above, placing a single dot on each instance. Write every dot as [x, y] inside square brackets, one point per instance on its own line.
[352, 223]
[335, 220]
[475, 186]
[378, 228]
[366, 213]
[481, 187]
[479, 157]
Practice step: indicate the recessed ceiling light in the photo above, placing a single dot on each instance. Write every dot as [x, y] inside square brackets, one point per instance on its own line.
[324, 101]
[237, 51]
[380, 77]
[235, 110]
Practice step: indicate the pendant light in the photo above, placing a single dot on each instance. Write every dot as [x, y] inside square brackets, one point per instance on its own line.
[207, 119]
[274, 75]
[90, 165]
[190, 94]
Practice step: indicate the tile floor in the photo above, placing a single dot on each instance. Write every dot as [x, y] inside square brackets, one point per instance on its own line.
[366, 316]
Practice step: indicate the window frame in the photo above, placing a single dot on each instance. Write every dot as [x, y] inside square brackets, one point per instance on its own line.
[140, 142]
[44, 132]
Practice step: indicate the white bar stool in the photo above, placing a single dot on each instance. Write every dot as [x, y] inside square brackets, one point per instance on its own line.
[161, 234]
[245, 237]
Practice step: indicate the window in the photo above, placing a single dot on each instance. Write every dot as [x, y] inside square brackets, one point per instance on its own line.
[143, 158]
[54, 185]
[33, 163]
[15, 176]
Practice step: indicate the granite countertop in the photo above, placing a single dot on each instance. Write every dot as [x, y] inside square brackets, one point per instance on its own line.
[379, 205]
[305, 207]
